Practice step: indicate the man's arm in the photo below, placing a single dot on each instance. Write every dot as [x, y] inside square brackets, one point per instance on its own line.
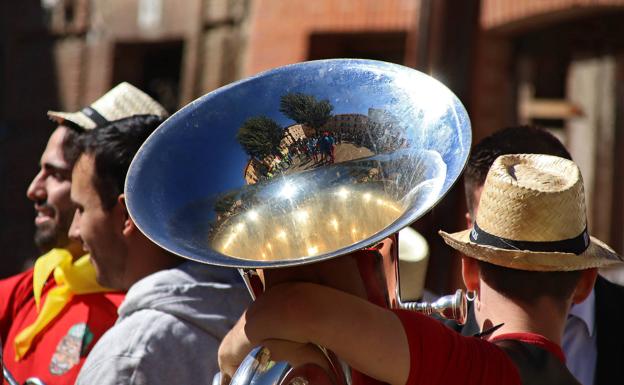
[369, 338]
[14, 292]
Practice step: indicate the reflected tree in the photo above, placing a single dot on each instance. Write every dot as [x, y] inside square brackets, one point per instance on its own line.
[305, 109]
[224, 204]
[260, 137]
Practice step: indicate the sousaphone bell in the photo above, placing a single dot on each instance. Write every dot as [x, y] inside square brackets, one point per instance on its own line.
[300, 172]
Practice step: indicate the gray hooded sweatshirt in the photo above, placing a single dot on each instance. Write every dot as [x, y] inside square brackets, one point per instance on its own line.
[169, 328]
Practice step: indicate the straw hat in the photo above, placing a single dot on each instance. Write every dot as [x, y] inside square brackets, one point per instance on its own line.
[123, 101]
[532, 217]
[413, 259]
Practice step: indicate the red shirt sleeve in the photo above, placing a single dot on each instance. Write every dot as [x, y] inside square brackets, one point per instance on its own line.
[439, 355]
[14, 291]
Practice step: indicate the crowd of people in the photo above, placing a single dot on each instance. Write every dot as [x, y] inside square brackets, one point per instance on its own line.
[320, 149]
[103, 304]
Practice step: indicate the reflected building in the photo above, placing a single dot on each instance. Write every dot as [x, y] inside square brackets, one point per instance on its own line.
[382, 119]
[347, 124]
[507, 60]
[63, 54]
[293, 134]
[255, 169]
[357, 129]
[252, 173]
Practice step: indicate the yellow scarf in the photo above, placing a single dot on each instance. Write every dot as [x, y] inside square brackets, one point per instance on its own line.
[71, 278]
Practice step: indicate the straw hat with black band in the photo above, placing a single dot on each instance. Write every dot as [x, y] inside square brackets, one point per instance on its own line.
[532, 217]
[123, 101]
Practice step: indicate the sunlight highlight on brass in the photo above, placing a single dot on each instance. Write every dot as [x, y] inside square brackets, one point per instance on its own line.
[311, 228]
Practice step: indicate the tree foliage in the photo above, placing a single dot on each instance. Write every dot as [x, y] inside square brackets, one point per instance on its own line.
[225, 202]
[305, 109]
[260, 136]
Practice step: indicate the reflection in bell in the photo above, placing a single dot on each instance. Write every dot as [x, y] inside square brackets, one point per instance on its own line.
[343, 193]
[253, 215]
[381, 145]
[270, 195]
[288, 191]
[301, 216]
[311, 228]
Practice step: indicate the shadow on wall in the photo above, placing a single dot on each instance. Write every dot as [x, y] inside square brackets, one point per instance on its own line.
[29, 89]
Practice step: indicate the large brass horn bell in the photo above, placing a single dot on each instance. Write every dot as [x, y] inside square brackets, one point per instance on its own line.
[231, 179]
[297, 166]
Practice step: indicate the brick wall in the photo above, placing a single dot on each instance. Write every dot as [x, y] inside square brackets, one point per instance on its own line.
[514, 14]
[279, 30]
[62, 58]
[29, 88]
[501, 21]
[492, 91]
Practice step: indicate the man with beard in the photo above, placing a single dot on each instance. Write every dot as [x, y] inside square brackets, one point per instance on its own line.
[52, 315]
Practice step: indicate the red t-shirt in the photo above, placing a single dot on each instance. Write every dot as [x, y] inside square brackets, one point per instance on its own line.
[59, 351]
[439, 355]
[534, 339]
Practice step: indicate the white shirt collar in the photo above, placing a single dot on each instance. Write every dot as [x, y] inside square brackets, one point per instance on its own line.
[585, 312]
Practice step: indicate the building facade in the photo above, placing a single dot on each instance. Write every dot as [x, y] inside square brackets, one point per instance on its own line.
[556, 63]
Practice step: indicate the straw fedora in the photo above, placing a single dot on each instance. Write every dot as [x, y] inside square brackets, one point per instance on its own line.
[123, 101]
[413, 260]
[532, 217]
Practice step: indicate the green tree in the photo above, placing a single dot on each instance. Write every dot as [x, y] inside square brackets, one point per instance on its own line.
[225, 202]
[305, 109]
[260, 136]
[321, 112]
[297, 106]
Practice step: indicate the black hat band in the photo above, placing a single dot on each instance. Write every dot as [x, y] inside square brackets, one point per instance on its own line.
[576, 245]
[97, 118]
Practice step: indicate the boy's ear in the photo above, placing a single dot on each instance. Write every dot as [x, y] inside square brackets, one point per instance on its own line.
[470, 273]
[468, 220]
[584, 285]
[128, 224]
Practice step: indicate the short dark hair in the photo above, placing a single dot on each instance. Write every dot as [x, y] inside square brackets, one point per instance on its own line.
[113, 147]
[527, 286]
[71, 142]
[520, 285]
[510, 140]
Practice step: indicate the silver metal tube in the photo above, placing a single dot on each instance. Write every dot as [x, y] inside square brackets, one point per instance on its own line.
[8, 377]
[453, 307]
[246, 275]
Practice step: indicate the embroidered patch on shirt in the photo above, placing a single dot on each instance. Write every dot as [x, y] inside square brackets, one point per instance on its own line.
[71, 348]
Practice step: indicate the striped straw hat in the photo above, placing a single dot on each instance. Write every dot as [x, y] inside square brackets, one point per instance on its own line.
[123, 101]
[532, 217]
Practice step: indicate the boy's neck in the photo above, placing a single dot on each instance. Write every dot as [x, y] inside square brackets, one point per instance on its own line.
[542, 316]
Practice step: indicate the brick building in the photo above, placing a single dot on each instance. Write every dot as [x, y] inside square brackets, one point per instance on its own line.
[63, 54]
[557, 63]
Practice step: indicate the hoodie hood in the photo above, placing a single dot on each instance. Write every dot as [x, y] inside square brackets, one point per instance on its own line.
[191, 292]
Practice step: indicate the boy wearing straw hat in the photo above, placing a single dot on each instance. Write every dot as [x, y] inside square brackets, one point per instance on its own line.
[531, 222]
[593, 340]
[52, 315]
